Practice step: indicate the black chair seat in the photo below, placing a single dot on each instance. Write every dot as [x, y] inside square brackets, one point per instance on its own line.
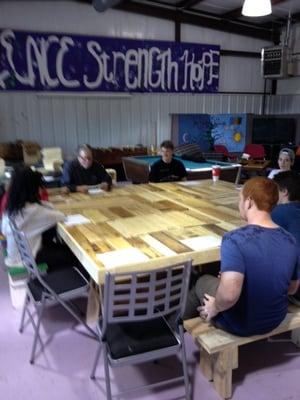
[139, 337]
[62, 281]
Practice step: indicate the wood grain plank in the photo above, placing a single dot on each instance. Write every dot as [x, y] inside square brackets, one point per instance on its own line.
[103, 230]
[118, 243]
[167, 205]
[88, 233]
[201, 217]
[121, 212]
[215, 229]
[171, 243]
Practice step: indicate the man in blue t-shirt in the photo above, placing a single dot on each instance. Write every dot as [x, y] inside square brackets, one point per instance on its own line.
[167, 169]
[287, 213]
[260, 266]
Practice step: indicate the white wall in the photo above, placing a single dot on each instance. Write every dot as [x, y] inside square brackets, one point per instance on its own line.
[105, 121]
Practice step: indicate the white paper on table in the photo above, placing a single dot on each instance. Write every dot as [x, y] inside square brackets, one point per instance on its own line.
[188, 183]
[95, 190]
[57, 197]
[117, 258]
[202, 242]
[76, 219]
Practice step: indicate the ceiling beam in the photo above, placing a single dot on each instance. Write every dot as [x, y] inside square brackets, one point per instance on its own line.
[237, 12]
[198, 19]
[279, 23]
[187, 3]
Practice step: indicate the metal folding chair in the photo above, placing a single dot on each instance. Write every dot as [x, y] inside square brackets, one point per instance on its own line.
[57, 287]
[135, 327]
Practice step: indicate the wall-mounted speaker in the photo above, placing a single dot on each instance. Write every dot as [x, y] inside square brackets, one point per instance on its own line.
[274, 62]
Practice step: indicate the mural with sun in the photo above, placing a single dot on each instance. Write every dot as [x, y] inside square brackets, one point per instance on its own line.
[230, 130]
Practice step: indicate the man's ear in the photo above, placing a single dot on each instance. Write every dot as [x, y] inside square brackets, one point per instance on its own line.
[250, 203]
[285, 192]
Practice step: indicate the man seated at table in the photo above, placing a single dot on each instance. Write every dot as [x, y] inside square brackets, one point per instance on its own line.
[287, 213]
[260, 266]
[167, 169]
[83, 172]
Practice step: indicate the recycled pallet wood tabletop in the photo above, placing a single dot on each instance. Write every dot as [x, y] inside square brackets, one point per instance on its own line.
[147, 226]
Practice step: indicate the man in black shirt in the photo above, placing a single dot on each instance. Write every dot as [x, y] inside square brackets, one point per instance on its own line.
[83, 172]
[167, 169]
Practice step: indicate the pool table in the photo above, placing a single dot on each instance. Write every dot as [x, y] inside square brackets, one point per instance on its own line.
[137, 169]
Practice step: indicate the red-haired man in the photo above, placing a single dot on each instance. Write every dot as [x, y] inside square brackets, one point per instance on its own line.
[259, 268]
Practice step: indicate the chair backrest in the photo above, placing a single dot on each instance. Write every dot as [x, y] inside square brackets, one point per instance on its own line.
[2, 166]
[255, 150]
[24, 250]
[219, 148]
[29, 261]
[145, 295]
[31, 152]
[52, 158]
[136, 170]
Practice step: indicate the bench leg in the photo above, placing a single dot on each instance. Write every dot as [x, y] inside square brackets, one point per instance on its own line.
[223, 364]
[235, 358]
[206, 364]
[296, 337]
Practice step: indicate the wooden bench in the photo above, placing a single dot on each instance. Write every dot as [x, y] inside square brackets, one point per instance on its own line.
[219, 349]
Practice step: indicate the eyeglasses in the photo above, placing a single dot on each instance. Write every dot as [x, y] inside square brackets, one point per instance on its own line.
[86, 158]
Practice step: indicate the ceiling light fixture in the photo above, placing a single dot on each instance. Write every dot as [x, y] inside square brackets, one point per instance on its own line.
[256, 8]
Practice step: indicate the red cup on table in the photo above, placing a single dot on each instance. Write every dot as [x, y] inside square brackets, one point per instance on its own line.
[216, 172]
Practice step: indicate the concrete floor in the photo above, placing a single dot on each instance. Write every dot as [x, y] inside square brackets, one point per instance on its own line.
[268, 370]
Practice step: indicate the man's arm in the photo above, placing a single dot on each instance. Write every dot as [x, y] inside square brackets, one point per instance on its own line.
[154, 173]
[183, 172]
[66, 180]
[103, 177]
[295, 279]
[227, 295]
[229, 290]
[293, 286]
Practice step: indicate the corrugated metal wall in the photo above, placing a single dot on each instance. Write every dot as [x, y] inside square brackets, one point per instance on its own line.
[67, 121]
[283, 104]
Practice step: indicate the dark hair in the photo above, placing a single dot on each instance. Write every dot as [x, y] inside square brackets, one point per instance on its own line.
[263, 191]
[167, 144]
[84, 147]
[289, 180]
[24, 188]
